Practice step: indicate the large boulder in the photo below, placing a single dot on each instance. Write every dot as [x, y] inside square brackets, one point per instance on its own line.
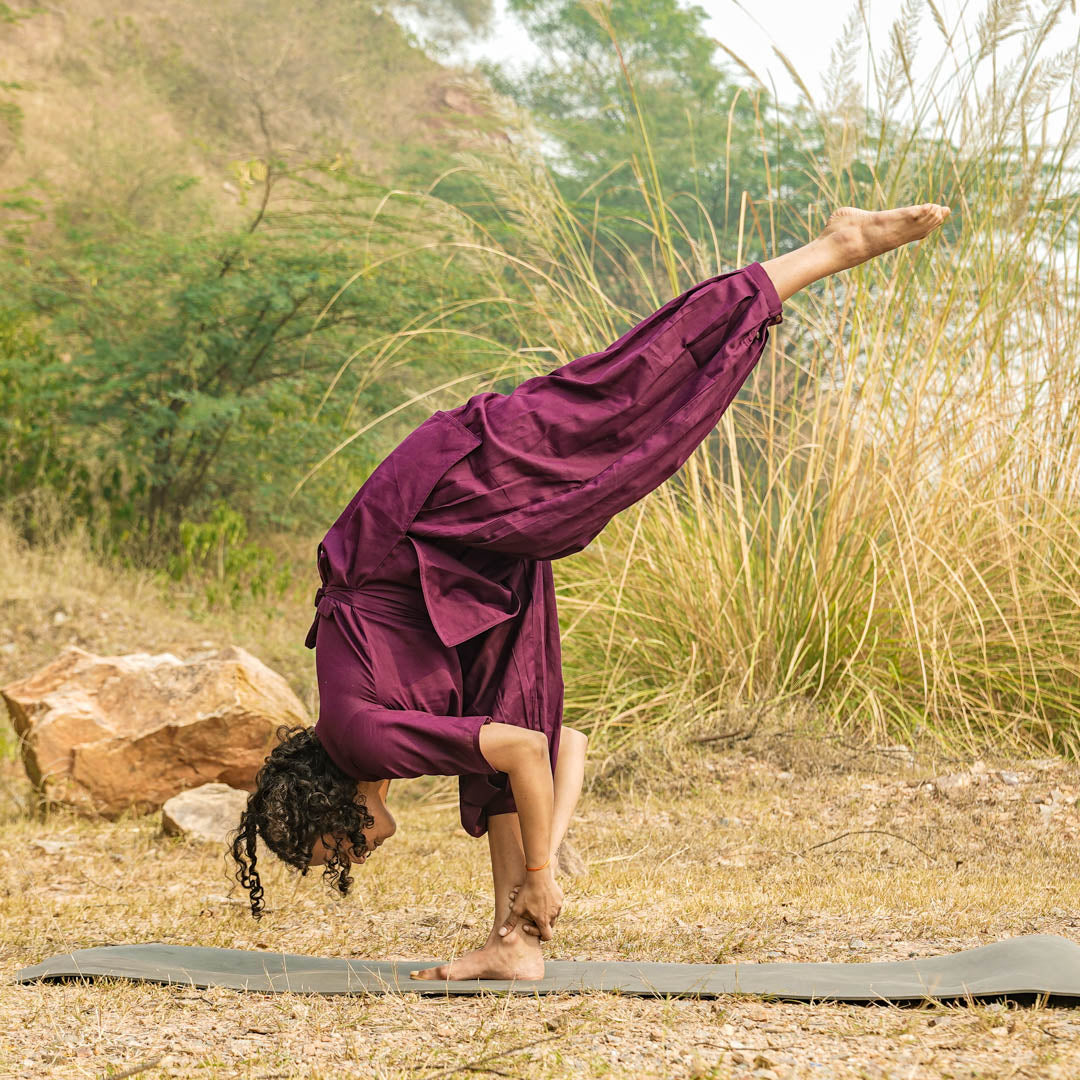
[102, 734]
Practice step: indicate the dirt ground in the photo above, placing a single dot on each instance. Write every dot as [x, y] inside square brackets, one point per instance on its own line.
[769, 849]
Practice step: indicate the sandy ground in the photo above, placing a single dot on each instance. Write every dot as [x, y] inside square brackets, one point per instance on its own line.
[774, 848]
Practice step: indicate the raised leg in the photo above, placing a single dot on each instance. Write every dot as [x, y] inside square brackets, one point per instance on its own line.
[565, 452]
[851, 237]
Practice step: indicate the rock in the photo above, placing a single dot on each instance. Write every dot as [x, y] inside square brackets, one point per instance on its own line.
[568, 860]
[204, 813]
[55, 847]
[901, 755]
[102, 734]
[952, 786]
[1009, 778]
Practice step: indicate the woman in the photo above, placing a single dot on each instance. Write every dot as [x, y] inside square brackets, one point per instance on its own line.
[436, 637]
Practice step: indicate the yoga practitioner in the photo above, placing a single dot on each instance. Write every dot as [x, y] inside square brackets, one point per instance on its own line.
[436, 638]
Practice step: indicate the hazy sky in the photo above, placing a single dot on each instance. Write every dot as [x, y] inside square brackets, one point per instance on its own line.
[799, 28]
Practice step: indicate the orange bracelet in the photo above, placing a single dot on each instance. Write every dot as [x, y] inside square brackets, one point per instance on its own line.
[538, 867]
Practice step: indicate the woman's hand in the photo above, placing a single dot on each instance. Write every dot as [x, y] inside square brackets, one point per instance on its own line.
[535, 905]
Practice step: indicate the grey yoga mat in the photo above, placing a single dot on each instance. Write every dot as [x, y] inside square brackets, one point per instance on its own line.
[1028, 965]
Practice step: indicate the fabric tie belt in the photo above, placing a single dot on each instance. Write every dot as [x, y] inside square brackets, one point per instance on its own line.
[390, 603]
[454, 599]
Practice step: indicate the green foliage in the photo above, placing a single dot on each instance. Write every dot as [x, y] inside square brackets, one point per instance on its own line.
[231, 571]
[616, 79]
[35, 447]
[186, 369]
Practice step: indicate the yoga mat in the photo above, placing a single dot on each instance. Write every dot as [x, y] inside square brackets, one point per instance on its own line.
[1027, 965]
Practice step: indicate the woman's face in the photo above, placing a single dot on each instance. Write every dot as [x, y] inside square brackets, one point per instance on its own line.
[385, 826]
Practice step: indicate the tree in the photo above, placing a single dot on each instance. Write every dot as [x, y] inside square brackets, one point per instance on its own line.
[600, 99]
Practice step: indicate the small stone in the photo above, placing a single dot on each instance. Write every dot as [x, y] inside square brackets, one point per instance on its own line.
[444, 1032]
[856, 943]
[8, 647]
[901, 754]
[60, 618]
[951, 786]
[785, 776]
[1009, 778]
[54, 847]
[568, 860]
[999, 1031]
[656, 1034]
[205, 813]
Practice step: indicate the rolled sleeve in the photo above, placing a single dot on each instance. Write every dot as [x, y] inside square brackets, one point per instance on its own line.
[376, 743]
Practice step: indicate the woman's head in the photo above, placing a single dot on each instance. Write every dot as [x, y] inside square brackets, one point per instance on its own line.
[308, 812]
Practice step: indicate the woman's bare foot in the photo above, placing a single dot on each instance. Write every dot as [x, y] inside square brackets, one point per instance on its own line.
[859, 235]
[516, 956]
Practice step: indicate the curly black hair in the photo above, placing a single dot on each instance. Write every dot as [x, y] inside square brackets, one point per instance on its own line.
[300, 795]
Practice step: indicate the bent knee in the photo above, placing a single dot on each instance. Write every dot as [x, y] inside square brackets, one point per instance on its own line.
[575, 734]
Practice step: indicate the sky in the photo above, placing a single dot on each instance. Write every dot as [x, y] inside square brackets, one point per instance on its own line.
[798, 28]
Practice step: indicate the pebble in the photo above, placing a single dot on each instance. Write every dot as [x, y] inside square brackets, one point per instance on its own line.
[60, 618]
[1009, 778]
[951, 786]
[856, 943]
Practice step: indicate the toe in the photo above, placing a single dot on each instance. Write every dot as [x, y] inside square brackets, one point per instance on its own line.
[430, 973]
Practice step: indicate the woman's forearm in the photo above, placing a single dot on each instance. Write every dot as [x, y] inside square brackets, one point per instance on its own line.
[534, 796]
[523, 755]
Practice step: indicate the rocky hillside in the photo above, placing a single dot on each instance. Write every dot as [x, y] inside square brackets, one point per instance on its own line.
[100, 109]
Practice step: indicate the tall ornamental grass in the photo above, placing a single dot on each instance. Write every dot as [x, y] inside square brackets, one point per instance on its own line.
[885, 525]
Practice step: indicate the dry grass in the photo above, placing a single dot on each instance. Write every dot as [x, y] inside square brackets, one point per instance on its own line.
[886, 521]
[701, 868]
[696, 851]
